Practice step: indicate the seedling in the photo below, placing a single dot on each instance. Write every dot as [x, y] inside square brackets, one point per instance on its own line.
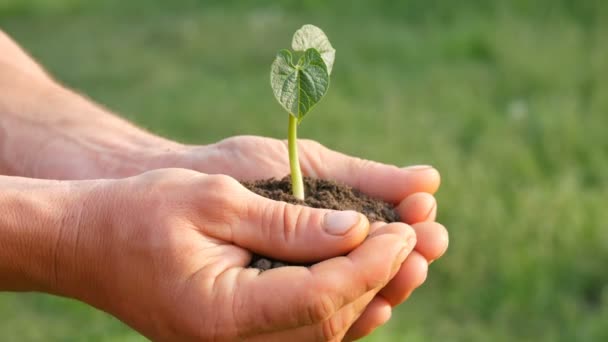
[298, 87]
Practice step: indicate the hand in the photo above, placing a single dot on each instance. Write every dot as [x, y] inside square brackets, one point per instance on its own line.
[95, 144]
[251, 158]
[165, 252]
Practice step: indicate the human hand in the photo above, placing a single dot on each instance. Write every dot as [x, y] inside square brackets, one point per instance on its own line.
[166, 253]
[251, 158]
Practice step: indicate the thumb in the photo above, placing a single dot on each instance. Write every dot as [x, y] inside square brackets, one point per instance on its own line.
[297, 233]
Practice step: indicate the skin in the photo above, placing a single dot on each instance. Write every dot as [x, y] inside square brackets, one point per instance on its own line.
[165, 250]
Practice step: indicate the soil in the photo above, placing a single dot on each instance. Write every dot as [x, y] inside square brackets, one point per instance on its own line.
[320, 193]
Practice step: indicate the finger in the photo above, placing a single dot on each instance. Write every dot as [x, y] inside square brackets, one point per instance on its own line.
[375, 226]
[417, 207]
[290, 297]
[332, 329]
[387, 182]
[298, 233]
[410, 276]
[377, 313]
[273, 228]
[433, 239]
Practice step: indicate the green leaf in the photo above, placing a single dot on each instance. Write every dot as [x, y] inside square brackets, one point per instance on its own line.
[299, 87]
[310, 36]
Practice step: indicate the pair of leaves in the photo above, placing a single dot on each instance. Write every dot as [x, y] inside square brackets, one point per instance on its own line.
[298, 87]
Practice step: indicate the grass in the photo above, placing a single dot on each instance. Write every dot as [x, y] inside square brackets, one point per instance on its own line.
[508, 101]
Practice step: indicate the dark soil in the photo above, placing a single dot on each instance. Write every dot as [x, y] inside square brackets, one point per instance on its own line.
[320, 193]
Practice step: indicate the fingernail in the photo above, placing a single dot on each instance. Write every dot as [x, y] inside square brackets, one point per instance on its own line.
[340, 222]
[407, 248]
[418, 167]
[432, 213]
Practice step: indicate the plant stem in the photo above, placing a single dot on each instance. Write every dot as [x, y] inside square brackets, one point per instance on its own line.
[297, 184]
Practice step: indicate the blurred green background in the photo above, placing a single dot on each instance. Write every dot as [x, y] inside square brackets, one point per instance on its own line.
[509, 100]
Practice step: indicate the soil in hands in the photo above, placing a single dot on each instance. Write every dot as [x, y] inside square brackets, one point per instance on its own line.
[320, 193]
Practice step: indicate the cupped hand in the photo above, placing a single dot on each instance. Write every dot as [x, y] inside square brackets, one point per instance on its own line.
[410, 188]
[166, 252]
[252, 158]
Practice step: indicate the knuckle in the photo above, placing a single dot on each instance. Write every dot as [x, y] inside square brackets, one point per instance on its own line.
[361, 164]
[356, 166]
[279, 222]
[399, 228]
[269, 217]
[221, 184]
[320, 307]
[332, 328]
[290, 217]
[316, 158]
[407, 230]
[309, 143]
[221, 198]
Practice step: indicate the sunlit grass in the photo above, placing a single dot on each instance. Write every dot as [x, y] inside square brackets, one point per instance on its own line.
[508, 102]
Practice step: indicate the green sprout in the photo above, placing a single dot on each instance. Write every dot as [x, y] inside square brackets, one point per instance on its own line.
[299, 87]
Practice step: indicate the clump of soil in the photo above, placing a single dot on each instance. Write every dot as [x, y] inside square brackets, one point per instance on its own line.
[320, 193]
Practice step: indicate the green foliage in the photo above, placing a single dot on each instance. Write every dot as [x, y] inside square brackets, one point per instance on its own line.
[298, 87]
[310, 36]
[507, 99]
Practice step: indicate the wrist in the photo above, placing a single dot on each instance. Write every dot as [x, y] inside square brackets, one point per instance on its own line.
[59, 134]
[79, 251]
[31, 233]
[103, 146]
[52, 237]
